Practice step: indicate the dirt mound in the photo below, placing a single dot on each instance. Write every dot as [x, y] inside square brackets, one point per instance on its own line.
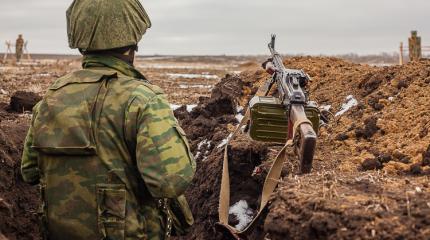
[322, 205]
[359, 206]
[385, 129]
[18, 200]
[23, 101]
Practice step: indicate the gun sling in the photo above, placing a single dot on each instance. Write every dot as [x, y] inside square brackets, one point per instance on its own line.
[270, 182]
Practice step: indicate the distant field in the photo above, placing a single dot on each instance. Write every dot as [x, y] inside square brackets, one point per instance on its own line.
[373, 59]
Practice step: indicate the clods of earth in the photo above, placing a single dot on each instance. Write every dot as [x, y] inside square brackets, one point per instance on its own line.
[371, 169]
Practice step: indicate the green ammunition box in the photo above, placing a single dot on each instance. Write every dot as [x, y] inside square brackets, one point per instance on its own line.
[269, 119]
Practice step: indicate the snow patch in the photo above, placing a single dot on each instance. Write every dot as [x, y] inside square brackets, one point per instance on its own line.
[325, 107]
[189, 107]
[350, 102]
[191, 76]
[225, 141]
[202, 143]
[184, 86]
[191, 66]
[42, 75]
[239, 117]
[174, 106]
[243, 214]
[199, 148]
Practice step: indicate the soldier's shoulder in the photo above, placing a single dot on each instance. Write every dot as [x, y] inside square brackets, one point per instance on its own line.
[82, 76]
[142, 88]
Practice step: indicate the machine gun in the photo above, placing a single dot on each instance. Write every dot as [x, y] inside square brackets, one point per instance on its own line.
[288, 117]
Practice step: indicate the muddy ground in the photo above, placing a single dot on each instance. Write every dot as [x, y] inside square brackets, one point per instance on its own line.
[371, 170]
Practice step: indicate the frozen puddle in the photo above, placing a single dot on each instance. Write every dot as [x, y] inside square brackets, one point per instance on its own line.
[192, 76]
[243, 214]
[350, 102]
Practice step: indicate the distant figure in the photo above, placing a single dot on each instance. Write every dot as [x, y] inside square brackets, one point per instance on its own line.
[19, 47]
[415, 47]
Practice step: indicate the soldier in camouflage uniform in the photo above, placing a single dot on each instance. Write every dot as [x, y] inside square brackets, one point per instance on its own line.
[19, 47]
[110, 157]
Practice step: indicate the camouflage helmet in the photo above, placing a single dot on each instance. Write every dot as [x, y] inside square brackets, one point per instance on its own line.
[106, 24]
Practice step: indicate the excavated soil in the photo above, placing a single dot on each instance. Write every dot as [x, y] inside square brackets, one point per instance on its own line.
[371, 169]
[208, 126]
[18, 200]
[370, 178]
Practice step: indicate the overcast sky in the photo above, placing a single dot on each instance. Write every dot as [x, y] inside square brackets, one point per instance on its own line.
[238, 26]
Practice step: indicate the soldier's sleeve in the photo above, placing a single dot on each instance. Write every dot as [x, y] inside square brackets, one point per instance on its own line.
[162, 151]
[29, 165]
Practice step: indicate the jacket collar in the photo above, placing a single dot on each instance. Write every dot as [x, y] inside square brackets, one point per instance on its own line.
[111, 62]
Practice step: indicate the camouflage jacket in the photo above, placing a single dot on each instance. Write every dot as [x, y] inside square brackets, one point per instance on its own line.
[111, 160]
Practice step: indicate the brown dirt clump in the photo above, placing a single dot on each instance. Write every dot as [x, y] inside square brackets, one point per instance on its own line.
[370, 128]
[23, 101]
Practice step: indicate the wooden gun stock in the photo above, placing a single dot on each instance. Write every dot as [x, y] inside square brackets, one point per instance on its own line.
[307, 139]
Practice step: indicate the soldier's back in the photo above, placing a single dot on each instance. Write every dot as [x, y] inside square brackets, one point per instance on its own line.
[86, 136]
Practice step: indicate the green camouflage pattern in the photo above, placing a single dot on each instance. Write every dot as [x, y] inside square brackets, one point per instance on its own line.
[106, 24]
[109, 155]
[19, 48]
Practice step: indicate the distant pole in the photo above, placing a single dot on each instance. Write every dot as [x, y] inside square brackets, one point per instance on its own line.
[26, 51]
[401, 54]
[8, 50]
